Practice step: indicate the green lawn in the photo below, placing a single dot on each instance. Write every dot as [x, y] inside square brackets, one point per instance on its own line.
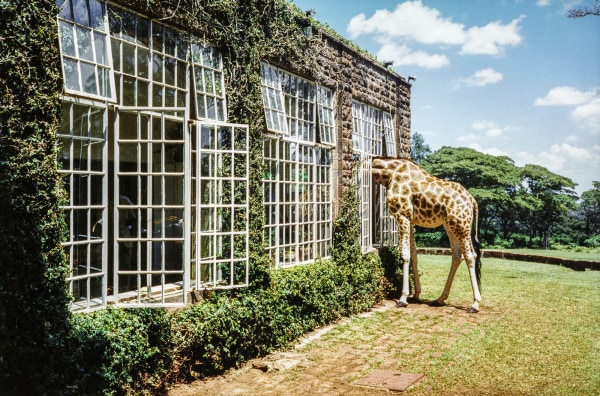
[538, 332]
[585, 254]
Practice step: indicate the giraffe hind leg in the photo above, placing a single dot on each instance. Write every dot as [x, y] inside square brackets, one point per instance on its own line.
[414, 266]
[456, 259]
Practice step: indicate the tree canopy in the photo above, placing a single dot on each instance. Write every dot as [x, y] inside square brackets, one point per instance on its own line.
[518, 206]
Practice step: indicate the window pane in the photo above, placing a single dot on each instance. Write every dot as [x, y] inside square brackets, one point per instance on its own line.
[81, 12]
[67, 41]
[71, 71]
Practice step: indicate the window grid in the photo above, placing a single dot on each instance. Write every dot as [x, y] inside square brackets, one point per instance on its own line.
[371, 129]
[145, 164]
[326, 116]
[219, 254]
[388, 135]
[208, 82]
[273, 102]
[150, 62]
[300, 98]
[149, 201]
[297, 199]
[85, 49]
[82, 138]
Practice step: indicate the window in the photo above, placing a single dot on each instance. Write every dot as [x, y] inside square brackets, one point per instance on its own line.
[150, 62]
[208, 83]
[219, 205]
[297, 176]
[85, 48]
[156, 178]
[148, 209]
[82, 139]
[372, 133]
[272, 93]
[326, 116]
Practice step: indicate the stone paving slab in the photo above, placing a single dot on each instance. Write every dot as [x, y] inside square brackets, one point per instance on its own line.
[391, 380]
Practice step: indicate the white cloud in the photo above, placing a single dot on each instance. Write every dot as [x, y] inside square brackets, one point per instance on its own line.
[411, 21]
[494, 132]
[556, 158]
[403, 55]
[588, 114]
[542, 3]
[587, 104]
[492, 38]
[480, 78]
[565, 96]
[467, 138]
[483, 125]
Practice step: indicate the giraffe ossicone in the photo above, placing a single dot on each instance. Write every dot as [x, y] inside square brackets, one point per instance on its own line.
[414, 197]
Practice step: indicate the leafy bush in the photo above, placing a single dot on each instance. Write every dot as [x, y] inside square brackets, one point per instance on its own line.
[121, 352]
[431, 239]
[593, 241]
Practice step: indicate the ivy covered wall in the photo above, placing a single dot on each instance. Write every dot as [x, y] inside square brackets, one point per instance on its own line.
[34, 308]
[40, 351]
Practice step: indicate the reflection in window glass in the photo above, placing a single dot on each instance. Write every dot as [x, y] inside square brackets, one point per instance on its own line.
[297, 200]
[84, 48]
[209, 91]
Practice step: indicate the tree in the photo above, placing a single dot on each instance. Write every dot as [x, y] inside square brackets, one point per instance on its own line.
[593, 9]
[551, 198]
[492, 180]
[418, 149]
[589, 212]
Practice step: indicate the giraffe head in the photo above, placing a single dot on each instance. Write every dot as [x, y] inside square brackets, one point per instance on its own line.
[383, 169]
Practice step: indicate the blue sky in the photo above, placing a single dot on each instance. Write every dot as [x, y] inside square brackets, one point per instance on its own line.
[512, 77]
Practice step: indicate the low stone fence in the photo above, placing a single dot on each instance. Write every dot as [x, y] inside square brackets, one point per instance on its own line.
[577, 265]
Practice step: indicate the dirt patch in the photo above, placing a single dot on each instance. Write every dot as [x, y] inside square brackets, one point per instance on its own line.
[329, 360]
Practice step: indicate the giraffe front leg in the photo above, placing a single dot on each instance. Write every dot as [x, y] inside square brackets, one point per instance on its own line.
[404, 230]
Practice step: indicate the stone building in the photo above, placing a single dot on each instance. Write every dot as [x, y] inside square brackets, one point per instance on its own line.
[159, 178]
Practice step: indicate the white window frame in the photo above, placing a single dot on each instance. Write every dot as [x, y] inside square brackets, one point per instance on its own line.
[297, 182]
[273, 102]
[326, 114]
[95, 57]
[154, 84]
[220, 207]
[370, 126]
[297, 199]
[83, 149]
[154, 208]
[208, 83]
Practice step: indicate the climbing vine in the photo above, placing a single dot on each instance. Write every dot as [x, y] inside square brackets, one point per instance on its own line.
[45, 350]
[34, 309]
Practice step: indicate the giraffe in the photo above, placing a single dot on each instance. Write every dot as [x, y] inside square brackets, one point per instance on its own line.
[414, 197]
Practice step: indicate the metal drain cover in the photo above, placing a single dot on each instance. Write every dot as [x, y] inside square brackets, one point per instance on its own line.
[395, 381]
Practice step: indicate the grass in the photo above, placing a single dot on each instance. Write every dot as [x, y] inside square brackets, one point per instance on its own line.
[587, 254]
[538, 332]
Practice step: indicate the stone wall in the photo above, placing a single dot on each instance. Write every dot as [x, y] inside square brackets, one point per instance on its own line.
[354, 76]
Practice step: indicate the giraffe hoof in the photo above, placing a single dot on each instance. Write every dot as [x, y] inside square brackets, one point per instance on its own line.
[437, 303]
[473, 310]
[402, 304]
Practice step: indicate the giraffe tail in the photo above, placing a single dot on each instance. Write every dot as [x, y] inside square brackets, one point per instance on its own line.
[476, 243]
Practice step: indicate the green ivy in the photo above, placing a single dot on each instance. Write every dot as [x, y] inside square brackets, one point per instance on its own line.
[34, 313]
[46, 350]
